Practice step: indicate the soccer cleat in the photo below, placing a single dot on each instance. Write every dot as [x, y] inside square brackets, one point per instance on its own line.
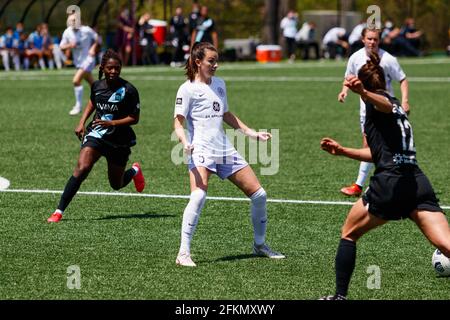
[138, 178]
[55, 217]
[184, 259]
[335, 297]
[353, 191]
[264, 251]
[75, 110]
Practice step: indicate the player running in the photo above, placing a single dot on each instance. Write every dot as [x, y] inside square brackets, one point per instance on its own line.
[116, 105]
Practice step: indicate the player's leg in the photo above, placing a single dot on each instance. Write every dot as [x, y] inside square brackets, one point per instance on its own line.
[88, 157]
[78, 91]
[88, 77]
[434, 226]
[359, 221]
[246, 180]
[364, 167]
[198, 177]
[119, 177]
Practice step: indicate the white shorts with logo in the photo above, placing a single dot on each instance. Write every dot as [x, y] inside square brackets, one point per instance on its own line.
[223, 166]
[88, 64]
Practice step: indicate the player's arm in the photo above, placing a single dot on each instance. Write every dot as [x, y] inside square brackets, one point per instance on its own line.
[380, 102]
[237, 124]
[333, 147]
[79, 130]
[215, 39]
[179, 131]
[127, 121]
[404, 87]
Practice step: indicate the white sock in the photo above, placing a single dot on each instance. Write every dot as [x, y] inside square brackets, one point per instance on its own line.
[78, 95]
[26, 63]
[364, 169]
[190, 219]
[5, 59]
[59, 211]
[16, 60]
[51, 64]
[136, 169]
[259, 215]
[42, 64]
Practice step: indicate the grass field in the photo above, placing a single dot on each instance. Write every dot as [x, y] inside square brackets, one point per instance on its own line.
[125, 247]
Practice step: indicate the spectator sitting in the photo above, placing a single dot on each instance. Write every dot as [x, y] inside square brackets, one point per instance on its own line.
[35, 47]
[305, 38]
[411, 34]
[354, 39]
[335, 42]
[8, 48]
[394, 43]
[47, 45]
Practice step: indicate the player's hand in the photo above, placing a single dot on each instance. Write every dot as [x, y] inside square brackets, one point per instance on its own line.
[341, 96]
[331, 146]
[79, 131]
[405, 106]
[188, 148]
[263, 136]
[354, 84]
[102, 123]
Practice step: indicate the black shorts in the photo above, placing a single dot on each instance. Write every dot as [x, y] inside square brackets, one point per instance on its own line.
[395, 195]
[114, 154]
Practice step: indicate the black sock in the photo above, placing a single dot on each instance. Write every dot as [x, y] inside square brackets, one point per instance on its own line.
[70, 190]
[128, 175]
[344, 264]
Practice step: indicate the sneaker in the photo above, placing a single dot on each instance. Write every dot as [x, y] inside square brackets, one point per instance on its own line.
[335, 297]
[264, 251]
[353, 191]
[55, 217]
[138, 178]
[184, 259]
[75, 110]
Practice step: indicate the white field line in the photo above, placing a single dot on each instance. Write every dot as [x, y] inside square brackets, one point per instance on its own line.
[227, 78]
[172, 196]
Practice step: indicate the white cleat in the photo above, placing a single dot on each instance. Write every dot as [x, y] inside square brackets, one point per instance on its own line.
[75, 110]
[184, 259]
[264, 251]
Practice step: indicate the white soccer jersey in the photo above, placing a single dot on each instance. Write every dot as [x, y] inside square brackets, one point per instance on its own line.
[390, 65]
[203, 107]
[84, 39]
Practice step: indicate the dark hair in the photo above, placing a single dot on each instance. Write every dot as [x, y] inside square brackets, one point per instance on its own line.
[366, 29]
[372, 75]
[198, 51]
[109, 54]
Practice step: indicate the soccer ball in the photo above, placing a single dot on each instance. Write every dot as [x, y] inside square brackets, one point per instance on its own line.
[441, 264]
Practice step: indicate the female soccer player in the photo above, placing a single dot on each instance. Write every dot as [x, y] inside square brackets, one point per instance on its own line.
[83, 41]
[399, 189]
[202, 101]
[116, 105]
[392, 71]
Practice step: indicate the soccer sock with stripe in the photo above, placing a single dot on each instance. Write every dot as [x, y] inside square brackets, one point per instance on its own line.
[344, 264]
[190, 219]
[70, 190]
[259, 215]
[128, 176]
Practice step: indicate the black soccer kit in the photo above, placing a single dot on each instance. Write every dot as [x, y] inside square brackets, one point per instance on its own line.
[398, 186]
[112, 104]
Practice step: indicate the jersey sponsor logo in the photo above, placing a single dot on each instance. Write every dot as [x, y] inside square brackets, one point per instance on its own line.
[221, 91]
[107, 107]
[117, 96]
[179, 101]
[216, 106]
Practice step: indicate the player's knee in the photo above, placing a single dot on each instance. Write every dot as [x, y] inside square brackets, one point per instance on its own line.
[82, 170]
[259, 198]
[197, 199]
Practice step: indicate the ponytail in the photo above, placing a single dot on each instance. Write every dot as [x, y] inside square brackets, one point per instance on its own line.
[198, 51]
[372, 75]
